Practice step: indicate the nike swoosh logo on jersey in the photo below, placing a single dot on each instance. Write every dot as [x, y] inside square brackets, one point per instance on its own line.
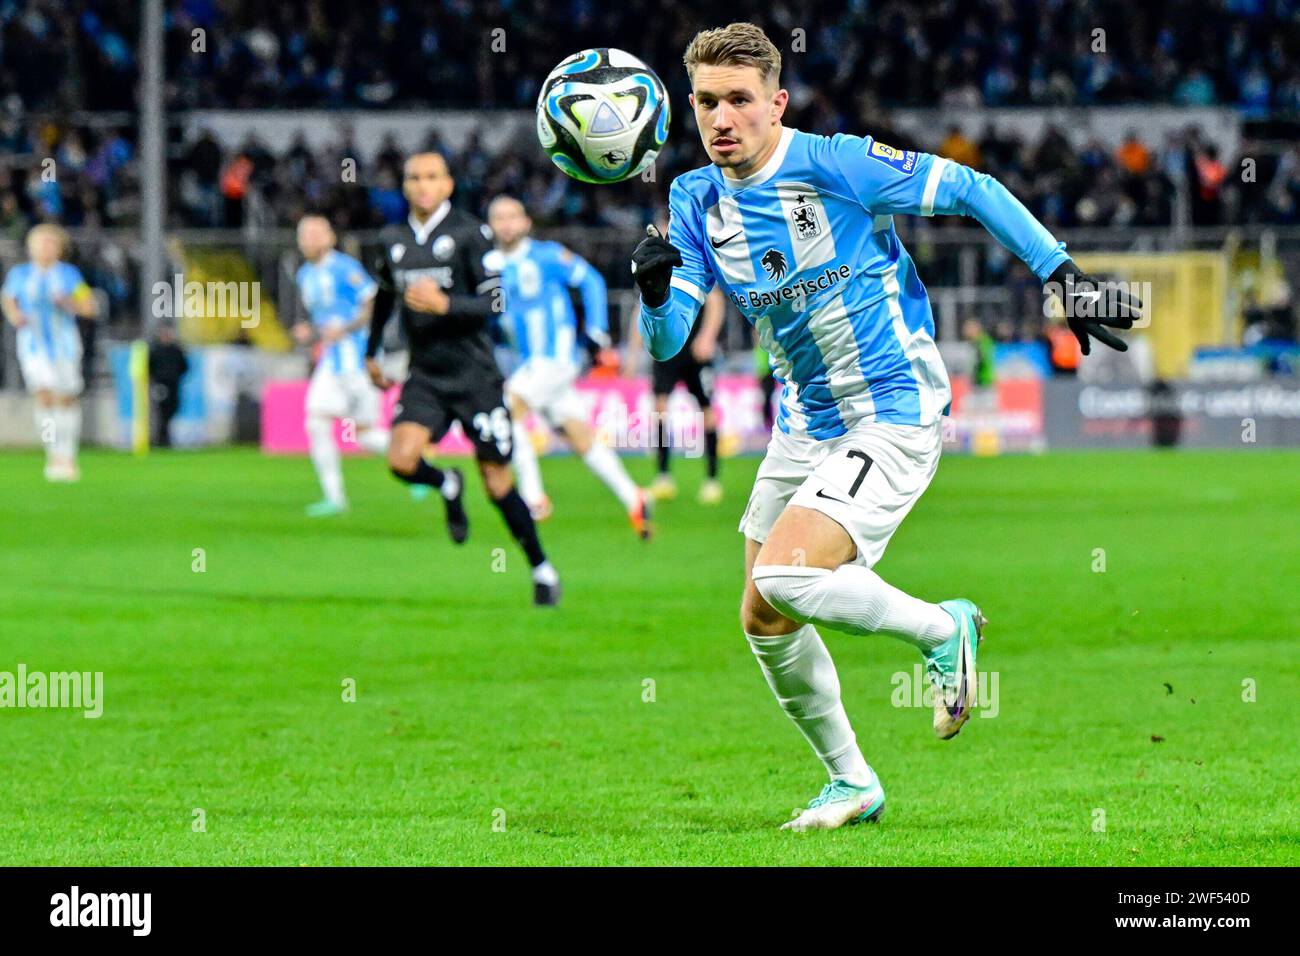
[719, 243]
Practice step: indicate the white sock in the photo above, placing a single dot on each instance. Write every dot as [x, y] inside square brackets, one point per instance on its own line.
[855, 599]
[66, 422]
[525, 462]
[374, 440]
[802, 675]
[544, 573]
[71, 431]
[450, 486]
[325, 458]
[48, 420]
[602, 460]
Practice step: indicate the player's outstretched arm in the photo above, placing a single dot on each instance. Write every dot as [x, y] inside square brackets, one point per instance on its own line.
[381, 309]
[667, 311]
[81, 301]
[9, 305]
[888, 180]
[1091, 307]
[365, 312]
[583, 276]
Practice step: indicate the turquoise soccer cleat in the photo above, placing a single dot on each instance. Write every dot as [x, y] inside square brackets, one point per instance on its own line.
[419, 492]
[840, 802]
[325, 509]
[951, 668]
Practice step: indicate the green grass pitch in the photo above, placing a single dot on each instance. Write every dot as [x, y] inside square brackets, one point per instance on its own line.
[485, 731]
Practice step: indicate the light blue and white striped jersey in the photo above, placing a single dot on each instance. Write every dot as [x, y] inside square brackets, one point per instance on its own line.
[539, 319]
[806, 249]
[333, 290]
[50, 332]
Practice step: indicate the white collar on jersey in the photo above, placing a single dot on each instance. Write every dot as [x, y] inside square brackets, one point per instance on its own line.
[520, 250]
[768, 169]
[430, 224]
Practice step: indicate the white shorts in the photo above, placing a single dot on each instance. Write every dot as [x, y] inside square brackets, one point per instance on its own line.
[866, 481]
[62, 376]
[343, 395]
[546, 386]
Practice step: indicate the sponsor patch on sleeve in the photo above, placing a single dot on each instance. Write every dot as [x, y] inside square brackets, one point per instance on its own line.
[902, 160]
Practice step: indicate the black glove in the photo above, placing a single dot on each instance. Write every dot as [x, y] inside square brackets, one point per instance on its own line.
[1091, 305]
[652, 266]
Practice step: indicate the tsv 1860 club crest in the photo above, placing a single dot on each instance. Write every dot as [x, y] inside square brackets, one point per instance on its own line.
[807, 223]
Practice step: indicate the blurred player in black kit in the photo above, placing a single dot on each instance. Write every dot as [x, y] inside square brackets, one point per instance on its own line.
[435, 263]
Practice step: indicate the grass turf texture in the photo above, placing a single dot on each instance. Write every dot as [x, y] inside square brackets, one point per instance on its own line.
[223, 689]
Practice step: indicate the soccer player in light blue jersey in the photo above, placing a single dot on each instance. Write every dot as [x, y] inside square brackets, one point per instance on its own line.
[541, 326]
[337, 294]
[42, 299]
[798, 230]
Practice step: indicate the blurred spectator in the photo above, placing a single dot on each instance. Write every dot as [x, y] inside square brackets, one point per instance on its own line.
[235, 178]
[1133, 156]
[957, 147]
[1207, 198]
[984, 373]
[167, 366]
[1062, 348]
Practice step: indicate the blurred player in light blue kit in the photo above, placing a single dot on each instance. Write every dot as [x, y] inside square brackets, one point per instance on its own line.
[798, 230]
[540, 323]
[42, 299]
[337, 294]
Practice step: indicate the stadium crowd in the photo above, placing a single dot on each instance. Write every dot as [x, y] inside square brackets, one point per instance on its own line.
[968, 53]
[56, 55]
[849, 67]
[1133, 184]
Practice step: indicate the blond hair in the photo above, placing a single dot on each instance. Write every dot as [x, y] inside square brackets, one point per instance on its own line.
[54, 231]
[736, 44]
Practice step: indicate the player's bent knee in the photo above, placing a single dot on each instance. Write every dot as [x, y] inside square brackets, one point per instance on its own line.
[579, 435]
[497, 479]
[791, 589]
[319, 428]
[402, 462]
[759, 617]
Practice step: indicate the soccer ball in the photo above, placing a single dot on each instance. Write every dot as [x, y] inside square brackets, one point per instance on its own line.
[602, 116]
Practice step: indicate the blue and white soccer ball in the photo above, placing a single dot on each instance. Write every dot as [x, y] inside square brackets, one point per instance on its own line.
[602, 116]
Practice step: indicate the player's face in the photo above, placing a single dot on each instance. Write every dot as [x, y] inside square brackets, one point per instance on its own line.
[314, 238]
[509, 222]
[43, 248]
[426, 182]
[739, 118]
